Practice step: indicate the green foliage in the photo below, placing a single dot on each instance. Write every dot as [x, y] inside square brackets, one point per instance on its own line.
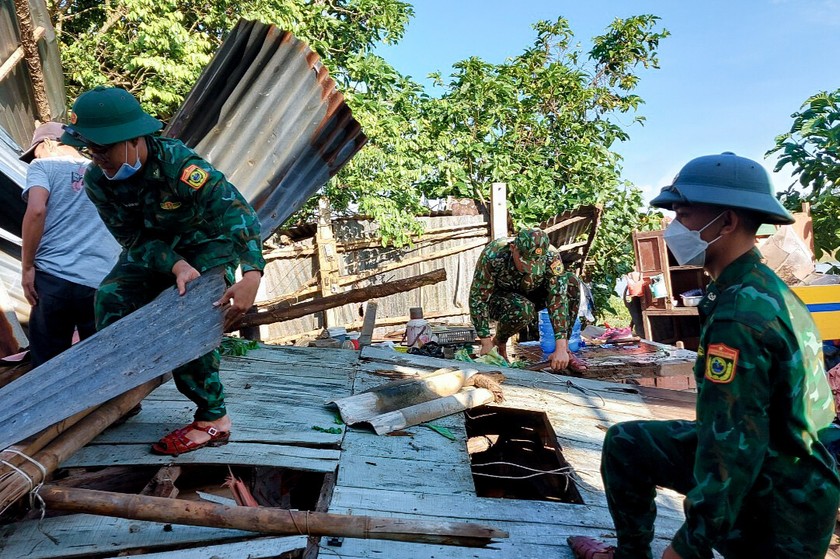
[157, 49]
[812, 148]
[540, 122]
[543, 122]
[237, 346]
[330, 430]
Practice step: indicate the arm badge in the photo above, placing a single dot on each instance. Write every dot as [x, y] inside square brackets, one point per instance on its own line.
[721, 362]
[195, 176]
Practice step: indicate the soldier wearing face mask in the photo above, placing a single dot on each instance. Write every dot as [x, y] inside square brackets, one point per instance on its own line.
[758, 480]
[176, 217]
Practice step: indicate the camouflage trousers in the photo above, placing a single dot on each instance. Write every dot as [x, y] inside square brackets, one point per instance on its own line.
[781, 516]
[515, 312]
[127, 288]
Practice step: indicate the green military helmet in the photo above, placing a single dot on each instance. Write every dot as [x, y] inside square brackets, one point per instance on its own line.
[105, 116]
[725, 180]
[533, 245]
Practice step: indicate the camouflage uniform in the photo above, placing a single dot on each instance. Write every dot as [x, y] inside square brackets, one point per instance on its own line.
[757, 480]
[501, 292]
[177, 207]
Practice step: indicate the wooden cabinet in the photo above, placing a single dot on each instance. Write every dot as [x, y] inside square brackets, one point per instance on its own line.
[665, 319]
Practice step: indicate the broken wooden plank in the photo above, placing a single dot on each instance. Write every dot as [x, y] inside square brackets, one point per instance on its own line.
[163, 483]
[267, 520]
[168, 332]
[245, 454]
[84, 535]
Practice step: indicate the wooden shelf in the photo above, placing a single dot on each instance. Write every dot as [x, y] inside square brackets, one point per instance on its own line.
[661, 320]
[676, 311]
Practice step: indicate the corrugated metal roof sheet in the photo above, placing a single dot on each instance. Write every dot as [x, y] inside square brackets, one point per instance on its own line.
[266, 113]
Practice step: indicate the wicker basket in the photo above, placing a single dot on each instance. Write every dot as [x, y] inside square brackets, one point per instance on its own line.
[450, 335]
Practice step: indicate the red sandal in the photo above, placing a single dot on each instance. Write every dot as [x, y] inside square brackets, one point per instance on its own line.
[585, 547]
[176, 442]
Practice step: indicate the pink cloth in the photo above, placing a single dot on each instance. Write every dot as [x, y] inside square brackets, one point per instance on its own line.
[834, 382]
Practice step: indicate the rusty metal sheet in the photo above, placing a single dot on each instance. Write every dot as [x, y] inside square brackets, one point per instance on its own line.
[266, 113]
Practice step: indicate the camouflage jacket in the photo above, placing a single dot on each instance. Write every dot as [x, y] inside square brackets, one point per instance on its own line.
[178, 207]
[495, 273]
[762, 398]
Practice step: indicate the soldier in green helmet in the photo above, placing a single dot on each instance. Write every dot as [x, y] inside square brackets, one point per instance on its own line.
[175, 217]
[514, 279]
[757, 479]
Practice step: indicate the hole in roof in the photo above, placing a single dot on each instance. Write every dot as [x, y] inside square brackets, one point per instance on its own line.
[514, 454]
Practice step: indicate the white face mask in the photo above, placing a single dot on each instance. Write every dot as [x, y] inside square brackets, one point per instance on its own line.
[125, 169]
[686, 245]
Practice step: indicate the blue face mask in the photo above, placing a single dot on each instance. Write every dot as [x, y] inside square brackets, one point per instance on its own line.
[125, 169]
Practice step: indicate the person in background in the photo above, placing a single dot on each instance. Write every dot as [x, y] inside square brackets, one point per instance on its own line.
[176, 217]
[66, 249]
[514, 279]
[758, 480]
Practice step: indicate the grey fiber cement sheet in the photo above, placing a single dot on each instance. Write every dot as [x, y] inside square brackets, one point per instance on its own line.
[166, 333]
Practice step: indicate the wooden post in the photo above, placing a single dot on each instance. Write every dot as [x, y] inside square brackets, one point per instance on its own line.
[327, 255]
[498, 210]
[369, 324]
[33, 59]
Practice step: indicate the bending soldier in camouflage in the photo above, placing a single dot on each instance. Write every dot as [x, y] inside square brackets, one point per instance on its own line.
[758, 482]
[513, 280]
[175, 217]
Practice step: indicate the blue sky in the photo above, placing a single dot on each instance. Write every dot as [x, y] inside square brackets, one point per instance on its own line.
[732, 71]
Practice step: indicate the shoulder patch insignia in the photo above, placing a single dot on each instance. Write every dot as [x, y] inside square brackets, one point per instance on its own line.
[195, 176]
[556, 267]
[721, 362]
[170, 205]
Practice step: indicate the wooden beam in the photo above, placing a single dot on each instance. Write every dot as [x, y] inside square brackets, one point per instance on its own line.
[17, 55]
[353, 296]
[33, 59]
[498, 210]
[267, 520]
[327, 254]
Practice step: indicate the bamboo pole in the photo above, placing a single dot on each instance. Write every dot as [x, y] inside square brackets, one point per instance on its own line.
[36, 442]
[289, 312]
[267, 520]
[13, 486]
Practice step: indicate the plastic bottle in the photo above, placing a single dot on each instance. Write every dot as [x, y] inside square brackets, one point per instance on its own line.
[417, 329]
[575, 341]
[546, 332]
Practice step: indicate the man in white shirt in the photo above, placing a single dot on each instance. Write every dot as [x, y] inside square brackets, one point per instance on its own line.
[66, 248]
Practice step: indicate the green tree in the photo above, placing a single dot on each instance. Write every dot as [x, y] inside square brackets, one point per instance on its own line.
[541, 122]
[812, 149]
[158, 49]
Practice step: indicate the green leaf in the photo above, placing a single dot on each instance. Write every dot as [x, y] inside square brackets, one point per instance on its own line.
[440, 430]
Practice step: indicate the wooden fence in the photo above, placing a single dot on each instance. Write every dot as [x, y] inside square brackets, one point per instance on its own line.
[350, 257]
